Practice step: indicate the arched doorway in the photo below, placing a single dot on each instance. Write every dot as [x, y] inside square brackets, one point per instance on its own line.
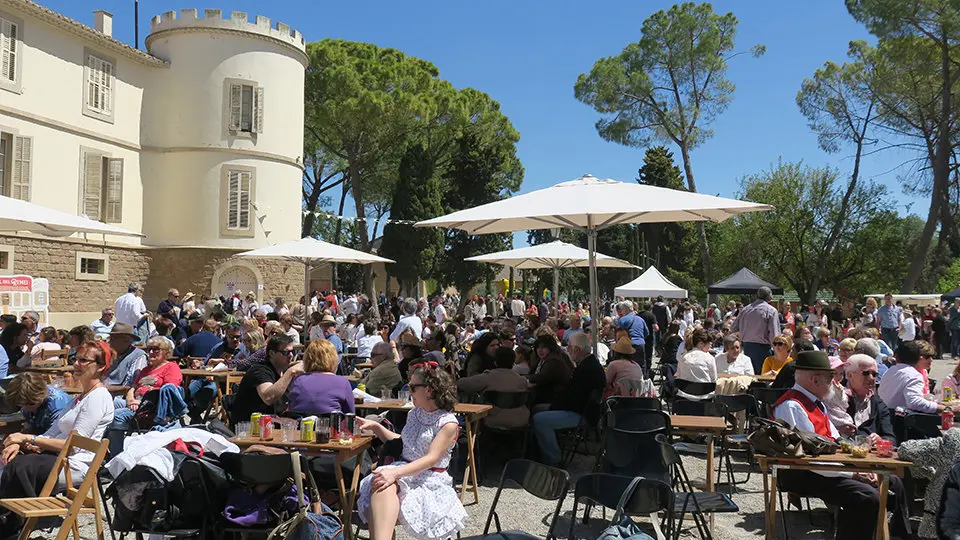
[235, 278]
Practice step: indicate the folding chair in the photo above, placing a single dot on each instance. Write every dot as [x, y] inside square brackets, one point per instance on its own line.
[650, 498]
[509, 400]
[73, 502]
[735, 404]
[543, 482]
[616, 403]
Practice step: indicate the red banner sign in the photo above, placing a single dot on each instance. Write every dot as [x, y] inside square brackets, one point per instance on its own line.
[16, 283]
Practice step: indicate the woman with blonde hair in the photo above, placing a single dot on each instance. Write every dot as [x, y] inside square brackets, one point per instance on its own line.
[782, 345]
[320, 390]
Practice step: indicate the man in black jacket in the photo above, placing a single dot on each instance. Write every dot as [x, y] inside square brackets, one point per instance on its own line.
[869, 413]
[578, 399]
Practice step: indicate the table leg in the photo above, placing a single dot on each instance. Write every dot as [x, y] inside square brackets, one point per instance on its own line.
[470, 475]
[346, 508]
[710, 486]
[883, 531]
[771, 503]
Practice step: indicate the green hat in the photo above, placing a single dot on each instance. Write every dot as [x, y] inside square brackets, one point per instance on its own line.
[812, 361]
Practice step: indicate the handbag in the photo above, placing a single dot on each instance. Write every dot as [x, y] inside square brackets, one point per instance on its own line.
[624, 528]
[776, 438]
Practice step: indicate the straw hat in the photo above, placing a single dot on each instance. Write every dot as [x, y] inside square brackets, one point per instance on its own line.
[328, 319]
[407, 339]
[623, 346]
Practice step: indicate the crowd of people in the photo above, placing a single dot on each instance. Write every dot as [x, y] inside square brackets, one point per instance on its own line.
[292, 363]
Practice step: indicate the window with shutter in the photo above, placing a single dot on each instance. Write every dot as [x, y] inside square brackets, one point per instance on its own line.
[22, 161]
[91, 198]
[235, 107]
[9, 48]
[258, 111]
[99, 85]
[246, 108]
[238, 200]
[113, 190]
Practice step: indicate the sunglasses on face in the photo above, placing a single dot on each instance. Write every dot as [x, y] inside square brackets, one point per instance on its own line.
[232, 337]
[286, 353]
[779, 344]
[152, 349]
[413, 387]
[84, 361]
[868, 373]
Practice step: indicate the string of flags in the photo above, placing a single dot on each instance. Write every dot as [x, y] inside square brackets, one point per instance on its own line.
[326, 215]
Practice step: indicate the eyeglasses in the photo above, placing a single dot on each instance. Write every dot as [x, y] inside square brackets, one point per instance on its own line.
[413, 387]
[779, 344]
[927, 356]
[152, 349]
[83, 361]
[231, 336]
[868, 372]
[286, 353]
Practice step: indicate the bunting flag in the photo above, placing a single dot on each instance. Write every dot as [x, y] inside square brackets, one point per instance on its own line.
[354, 218]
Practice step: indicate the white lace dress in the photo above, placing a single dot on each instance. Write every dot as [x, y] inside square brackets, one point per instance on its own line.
[429, 506]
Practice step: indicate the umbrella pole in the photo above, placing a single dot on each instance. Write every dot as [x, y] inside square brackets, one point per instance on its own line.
[594, 312]
[306, 293]
[556, 286]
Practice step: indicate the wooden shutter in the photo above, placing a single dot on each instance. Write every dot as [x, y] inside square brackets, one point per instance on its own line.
[92, 185]
[244, 216]
[238, 199]
[22, 160]
[8, 50]
[113, 190]
[258, 110]
[106, 84]
[236, 107]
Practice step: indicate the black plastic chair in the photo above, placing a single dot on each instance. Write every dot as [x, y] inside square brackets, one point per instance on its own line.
[620, 403]
[542, 481]
[633, 453]
[581, 432]
[735, 404]
[637, 420]
[916, 425]
[651, 497]
[696, 388]
[767, 397]
[697, 503]
[504, 401]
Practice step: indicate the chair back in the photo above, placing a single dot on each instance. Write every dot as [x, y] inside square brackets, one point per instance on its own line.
[691, 407]
[542, 481]
[640, 420]
[916, 425]
[507, 400]
[260, 469]
[617, 403]
[696, 388]
[767, 397]
[468, 397]
[633, 453]
[651, 496]
[83, 495]
[56, 353]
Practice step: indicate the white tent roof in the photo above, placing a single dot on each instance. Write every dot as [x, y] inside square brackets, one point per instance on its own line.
[592, 203]
[18, 216]
[312, 252]
[650, 284]
[909, 299]
[553, 255]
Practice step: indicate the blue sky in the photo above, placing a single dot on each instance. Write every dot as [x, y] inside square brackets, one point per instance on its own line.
[527, 55]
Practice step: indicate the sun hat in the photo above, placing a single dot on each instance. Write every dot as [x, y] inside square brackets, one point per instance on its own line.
[812, 361]
[623, 346]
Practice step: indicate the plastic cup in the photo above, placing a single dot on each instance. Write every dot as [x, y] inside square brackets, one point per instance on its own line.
[243, 430]
[386, 394]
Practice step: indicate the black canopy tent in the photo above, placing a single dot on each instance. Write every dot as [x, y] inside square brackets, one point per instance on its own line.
[952, 295]
[743, 281]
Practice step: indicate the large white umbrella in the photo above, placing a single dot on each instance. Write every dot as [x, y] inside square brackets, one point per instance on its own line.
[18, 216]
[650, 284]
[312, 252]
[591, 204]
[555, 255]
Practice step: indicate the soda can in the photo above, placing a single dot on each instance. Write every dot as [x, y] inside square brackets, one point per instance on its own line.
[307, 430]
[946, 419]
[255, 425]
[351, 421]
[266, 427]
[336, 421]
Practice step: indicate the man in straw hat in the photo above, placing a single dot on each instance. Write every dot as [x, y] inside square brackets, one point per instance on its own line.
[129, 359]
[855, 493]
[329, 327]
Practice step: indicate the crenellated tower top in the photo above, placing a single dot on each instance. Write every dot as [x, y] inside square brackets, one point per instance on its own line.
[237, 22]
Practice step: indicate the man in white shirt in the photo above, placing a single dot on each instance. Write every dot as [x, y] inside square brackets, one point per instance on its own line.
[129, 308]
[856, 495]
[350, 306]
[409, 319]
[517, 307]
[439, 312]
[102, 326]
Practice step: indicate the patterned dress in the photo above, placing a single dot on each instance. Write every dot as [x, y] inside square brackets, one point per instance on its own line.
[933, 459]
[429, 506]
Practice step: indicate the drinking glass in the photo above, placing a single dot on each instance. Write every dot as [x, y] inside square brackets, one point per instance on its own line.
[289, 432]
[404, 396]
[385, 394]
[323, 430]
[243, 430]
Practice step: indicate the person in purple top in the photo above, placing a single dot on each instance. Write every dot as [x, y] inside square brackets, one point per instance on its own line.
[320, 390]
[758, 324]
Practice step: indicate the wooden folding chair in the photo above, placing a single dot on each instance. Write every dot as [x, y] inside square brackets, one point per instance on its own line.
[72, 503]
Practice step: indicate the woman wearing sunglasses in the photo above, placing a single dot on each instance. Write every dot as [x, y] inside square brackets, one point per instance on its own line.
[30, 458]
[159, 371]
[781, 355]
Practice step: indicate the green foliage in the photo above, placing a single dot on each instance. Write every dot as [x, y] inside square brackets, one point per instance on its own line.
[665, 245]
[950, 279]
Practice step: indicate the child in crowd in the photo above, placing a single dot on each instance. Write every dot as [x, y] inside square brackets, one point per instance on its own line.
[417, 491]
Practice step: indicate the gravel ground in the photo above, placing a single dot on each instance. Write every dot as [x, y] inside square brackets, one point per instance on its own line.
[520, 510]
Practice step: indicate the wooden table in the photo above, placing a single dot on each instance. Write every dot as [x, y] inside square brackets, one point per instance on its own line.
[364, 365]
[342, 452]
[115, 390]
[473, 413]
[882, 467]
[761, 378]
[59, 370]
[709, 426]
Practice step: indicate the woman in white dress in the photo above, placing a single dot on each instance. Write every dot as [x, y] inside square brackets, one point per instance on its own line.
[417, 491]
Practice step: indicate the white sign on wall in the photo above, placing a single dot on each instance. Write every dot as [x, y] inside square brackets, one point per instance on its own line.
[19, 294]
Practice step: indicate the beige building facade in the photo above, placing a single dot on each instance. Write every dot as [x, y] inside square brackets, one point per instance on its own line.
[196, 143]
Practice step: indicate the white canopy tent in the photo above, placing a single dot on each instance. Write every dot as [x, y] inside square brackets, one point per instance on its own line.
[19, 216]
[909, 299]
[591, 204]
[555, 255]
[650, 284]
[312, 252]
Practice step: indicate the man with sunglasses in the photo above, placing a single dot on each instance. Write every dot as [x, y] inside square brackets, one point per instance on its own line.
[201, 391]
[871, 416]
[263, 387]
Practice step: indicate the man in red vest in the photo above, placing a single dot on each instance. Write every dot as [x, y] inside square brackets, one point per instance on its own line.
[855, 493]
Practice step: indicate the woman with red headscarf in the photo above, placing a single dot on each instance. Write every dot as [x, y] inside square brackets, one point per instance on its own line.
[28, 458]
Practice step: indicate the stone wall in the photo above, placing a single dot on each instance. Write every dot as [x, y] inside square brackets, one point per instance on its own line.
[56, 260]
[192, 269]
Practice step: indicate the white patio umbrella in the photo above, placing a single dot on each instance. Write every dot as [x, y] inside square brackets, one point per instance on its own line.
[17, 216]
[555, 255]
[651, 283]
[312, 252]
[591, 204]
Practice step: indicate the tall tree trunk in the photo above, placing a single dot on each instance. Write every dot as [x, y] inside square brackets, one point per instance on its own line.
[355, 183]
[941, 172]
[310, 218]
[701, 231]
[334, 277]
[510, 286]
